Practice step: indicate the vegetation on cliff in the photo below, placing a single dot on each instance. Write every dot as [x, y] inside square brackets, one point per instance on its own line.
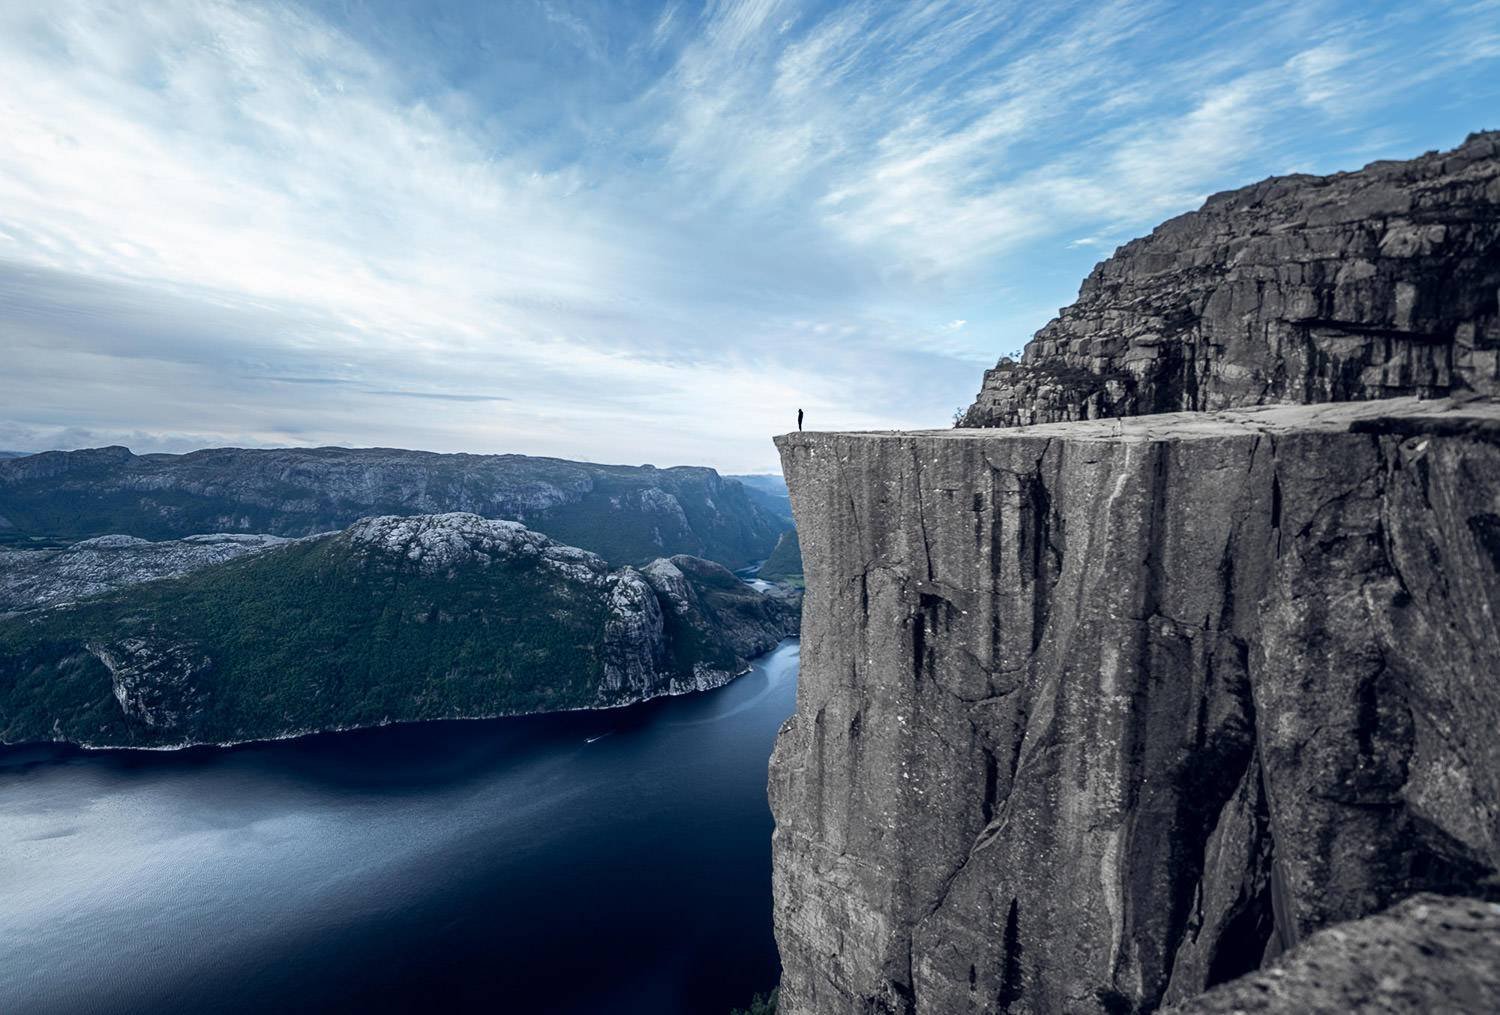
[395, 619]
[785, 562]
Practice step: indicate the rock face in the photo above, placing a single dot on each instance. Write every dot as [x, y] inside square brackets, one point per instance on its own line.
[1094, 716]
[1362, 285]
[397, 618]
[714, 621]
[627, 514]
[36, 579]
[1430, 954]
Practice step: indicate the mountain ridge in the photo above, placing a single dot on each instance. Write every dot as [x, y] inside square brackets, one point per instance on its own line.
[629, 514]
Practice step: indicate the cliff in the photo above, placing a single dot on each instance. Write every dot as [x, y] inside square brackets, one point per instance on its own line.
[393, 619]
[1360, 285]
[626, 514]
[1095, 715]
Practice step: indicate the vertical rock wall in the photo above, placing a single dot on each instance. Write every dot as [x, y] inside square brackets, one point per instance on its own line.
[1095, 715]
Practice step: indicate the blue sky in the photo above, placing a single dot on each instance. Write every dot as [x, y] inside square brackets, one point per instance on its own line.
[624, 231]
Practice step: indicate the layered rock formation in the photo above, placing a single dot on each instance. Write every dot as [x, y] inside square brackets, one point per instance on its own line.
[397, 618]
[1372, 284]
[1094, 716]
[626, 514]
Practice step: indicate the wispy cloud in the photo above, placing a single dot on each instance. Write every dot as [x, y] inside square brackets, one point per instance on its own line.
[264, 223]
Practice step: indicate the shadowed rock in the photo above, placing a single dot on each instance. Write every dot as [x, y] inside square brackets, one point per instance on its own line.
[1428, 955]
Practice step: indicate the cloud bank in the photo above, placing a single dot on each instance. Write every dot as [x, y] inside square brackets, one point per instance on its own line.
[598, 231]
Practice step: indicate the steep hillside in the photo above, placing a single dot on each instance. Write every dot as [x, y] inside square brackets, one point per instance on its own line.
[627, 514]
[785, 562]
[769, 492]
[393, 619]
[1361, 285]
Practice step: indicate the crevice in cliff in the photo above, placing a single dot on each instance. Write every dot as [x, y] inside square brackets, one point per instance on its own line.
[921, 508]
[1012, 985]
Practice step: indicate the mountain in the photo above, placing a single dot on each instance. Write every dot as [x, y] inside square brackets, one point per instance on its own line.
[14, 454]
[1095, 715]
[626, 514]
[785, 562]
[1372, 284]
[769, 492]
[393, 619]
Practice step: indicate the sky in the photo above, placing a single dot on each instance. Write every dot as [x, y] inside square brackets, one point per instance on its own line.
[629, 232]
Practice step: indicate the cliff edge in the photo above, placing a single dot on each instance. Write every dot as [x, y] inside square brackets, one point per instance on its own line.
[1093, 716]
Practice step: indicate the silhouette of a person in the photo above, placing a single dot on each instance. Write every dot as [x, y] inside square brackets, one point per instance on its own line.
[799, 419]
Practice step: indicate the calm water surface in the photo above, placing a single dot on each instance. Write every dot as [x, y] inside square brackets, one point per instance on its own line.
[605, 862]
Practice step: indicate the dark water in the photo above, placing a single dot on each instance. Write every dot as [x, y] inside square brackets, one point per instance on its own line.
[506, 865]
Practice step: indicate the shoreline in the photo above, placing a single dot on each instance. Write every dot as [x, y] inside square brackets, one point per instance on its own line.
[320, 731]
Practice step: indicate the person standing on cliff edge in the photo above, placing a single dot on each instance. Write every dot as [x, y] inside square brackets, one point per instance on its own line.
[799, 419]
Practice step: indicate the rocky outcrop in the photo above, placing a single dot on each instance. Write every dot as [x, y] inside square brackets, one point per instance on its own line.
[1360, 285]
[397, 618]
[715, 621]
[158, 682]
[39, 579]
[1430, 955]
[1093, 716]
[626, 514]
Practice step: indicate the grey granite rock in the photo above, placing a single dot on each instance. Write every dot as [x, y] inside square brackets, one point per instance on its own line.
[155, 680]
[1430, 955]
[33, 579]
[1360, 285]
[1095, 715]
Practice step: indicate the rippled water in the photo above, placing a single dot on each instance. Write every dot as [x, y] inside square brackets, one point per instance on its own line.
[589, 862]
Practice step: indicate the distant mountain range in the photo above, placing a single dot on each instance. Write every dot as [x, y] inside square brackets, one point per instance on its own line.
[769, 492]
[392, 619]
[626, 514]
[785, 562]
